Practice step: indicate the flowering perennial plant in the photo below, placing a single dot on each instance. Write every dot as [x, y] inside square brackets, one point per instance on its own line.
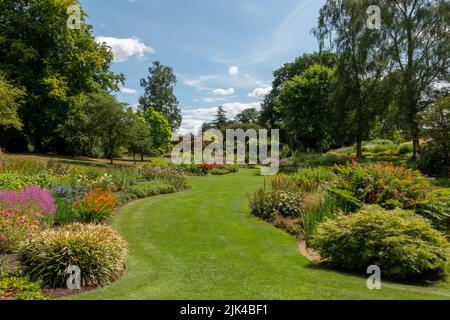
[96, 206]
[22, 214]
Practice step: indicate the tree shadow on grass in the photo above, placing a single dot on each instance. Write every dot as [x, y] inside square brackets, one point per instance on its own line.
[427, 282]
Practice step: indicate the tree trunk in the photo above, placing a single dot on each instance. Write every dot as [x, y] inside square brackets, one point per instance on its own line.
[320, 145]
[415, 129]
[359, 150]
[134, 158]
[416, 145]
[142, 157]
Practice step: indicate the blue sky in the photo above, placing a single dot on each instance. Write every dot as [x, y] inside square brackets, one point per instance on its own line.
[223, 52]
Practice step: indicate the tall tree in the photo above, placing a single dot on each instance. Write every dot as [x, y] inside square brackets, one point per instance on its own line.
[140, 141]
[304, 105]
[361, 65]
[159, 93]
[269, 116]
[79, 130]
[53, 63]
[111, 122]
[437, 124]
[248, 116]
[418, 33]
[221, 119]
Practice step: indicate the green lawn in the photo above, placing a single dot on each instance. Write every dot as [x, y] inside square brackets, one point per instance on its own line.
[204, 244]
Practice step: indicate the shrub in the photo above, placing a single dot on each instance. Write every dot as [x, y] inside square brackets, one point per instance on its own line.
[402, 245]
[95, 206]
[345, 200]
[384, 184]
[172, 176]
[97, 250]
[438, 211]
[286, 203]
[150, 188]
[219, 172]
[20, 288]
[18, 181]
[405, 148]
[434, 162]
[442, 182]
[102, 182]
[312, 160]
[25, 166]
[283, 182]
[159, 163]
[289, 224]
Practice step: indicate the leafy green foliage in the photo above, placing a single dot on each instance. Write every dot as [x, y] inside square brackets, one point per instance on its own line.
[140, 141]
[304, 106]
[148, 189]
[436, 158]
[269, 114]
[161, 130]
[402, 245]
[97, 250]
[286, 203]
[9, 104]
[248, 116]
[345, 200]
[358, 95]
[19, 181]
[20, 288]
[405, 148]
[384, 184]
[51, 62]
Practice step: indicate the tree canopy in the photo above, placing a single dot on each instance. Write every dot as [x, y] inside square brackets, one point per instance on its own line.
[53, 64]
[159, 93]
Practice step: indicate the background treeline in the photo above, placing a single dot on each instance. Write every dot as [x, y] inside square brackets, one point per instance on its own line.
[390, 83]
[56, 88]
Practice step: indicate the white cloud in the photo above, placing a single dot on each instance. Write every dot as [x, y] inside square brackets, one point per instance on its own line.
[124, 49]
[127, 90]
[260, 92]
[193, 119]
[200, 82]
[224, 92]
[234, 70]
[213, 100]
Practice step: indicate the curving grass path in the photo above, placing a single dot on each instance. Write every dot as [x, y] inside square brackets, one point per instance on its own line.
[203, 244]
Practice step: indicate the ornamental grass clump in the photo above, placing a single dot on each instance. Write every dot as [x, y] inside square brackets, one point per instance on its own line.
[98, 251]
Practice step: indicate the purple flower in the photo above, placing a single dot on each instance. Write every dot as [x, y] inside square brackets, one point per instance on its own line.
[29, 200]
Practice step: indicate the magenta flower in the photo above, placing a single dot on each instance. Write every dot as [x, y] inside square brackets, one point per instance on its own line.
[33, 200]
